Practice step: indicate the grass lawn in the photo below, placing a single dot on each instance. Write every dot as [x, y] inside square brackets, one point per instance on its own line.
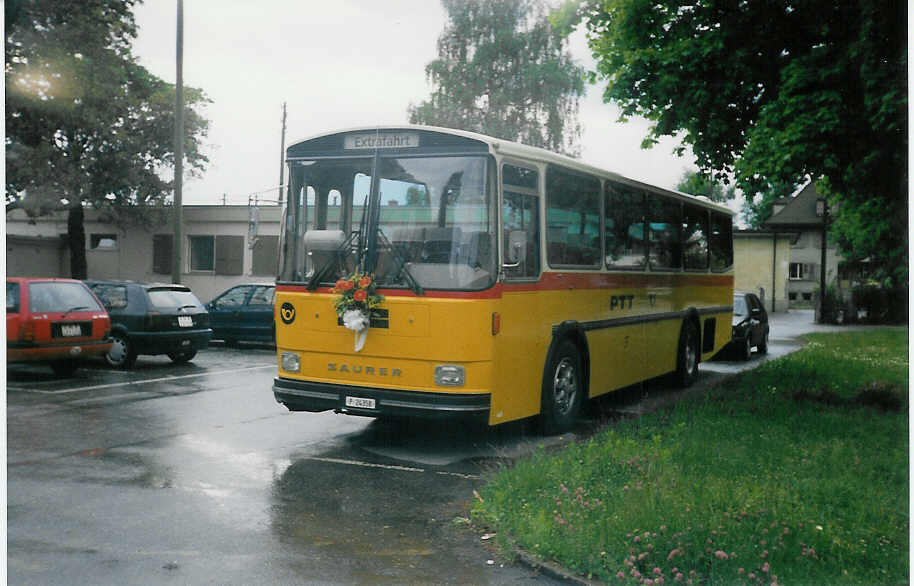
[793, 473]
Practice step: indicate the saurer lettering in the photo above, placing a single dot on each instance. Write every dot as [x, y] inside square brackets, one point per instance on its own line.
[359, 369]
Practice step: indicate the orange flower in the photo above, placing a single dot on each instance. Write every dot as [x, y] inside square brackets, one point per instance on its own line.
[365, 281]
[360, 295]
[344, 285]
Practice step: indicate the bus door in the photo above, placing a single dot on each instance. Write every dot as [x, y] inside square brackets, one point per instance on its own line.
[521, 343]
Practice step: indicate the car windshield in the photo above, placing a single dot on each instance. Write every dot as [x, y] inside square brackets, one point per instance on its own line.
[173, 298]
[740, 307]
[435, 224]
[53, 296]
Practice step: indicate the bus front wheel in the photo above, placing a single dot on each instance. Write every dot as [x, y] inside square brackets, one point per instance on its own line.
[687, 356]
[563, 388]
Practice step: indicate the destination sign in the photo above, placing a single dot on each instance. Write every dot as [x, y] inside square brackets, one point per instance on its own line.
[389, 140]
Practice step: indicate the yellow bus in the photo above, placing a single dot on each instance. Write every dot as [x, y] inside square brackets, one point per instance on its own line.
[499, 281]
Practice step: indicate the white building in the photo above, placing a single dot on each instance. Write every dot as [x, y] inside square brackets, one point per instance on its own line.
[220, 248]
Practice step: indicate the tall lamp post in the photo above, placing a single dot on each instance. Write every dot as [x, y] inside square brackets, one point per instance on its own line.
[179, 148]
[822, 212]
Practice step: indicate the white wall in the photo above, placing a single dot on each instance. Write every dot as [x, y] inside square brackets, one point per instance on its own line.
[132, 259]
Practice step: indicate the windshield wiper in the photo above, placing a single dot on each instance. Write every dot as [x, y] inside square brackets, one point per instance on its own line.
[77, 308]
[191, 305]
[400, 263]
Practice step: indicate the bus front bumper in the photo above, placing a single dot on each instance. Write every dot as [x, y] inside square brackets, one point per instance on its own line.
[310, 396]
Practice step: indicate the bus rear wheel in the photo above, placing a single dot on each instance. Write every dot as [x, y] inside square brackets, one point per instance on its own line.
[687, 356]
[563, 389]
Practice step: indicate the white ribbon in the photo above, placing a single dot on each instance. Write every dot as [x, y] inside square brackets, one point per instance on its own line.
[357, 321]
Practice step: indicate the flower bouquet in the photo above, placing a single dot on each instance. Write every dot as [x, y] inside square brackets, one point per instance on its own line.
[356, 297]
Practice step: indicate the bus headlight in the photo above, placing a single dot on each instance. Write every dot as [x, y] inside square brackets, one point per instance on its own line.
[449, 375]
[290, 362]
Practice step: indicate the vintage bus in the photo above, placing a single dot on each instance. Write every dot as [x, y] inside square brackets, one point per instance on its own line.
[516, 282]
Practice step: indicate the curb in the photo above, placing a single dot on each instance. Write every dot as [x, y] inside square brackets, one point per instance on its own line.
[551, 569]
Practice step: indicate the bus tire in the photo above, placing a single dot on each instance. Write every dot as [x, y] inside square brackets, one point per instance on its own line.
[563, 389]
[687, 356]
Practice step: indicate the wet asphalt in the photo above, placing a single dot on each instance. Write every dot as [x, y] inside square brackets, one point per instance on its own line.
[193, 474]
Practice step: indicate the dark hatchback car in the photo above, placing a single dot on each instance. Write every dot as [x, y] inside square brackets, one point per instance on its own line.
[152, 318]
[750, 325]
[244, 312]
[55, 321]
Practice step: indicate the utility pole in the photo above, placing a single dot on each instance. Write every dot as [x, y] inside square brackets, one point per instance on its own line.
[822, 211]
[282, 154]
[179, 148]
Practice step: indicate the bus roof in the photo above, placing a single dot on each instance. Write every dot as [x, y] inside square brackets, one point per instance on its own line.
[522, 151]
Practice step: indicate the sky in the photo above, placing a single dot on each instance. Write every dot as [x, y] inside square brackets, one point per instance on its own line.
[336, 64]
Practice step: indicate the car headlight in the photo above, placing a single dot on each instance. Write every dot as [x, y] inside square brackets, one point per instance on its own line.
[290, 361]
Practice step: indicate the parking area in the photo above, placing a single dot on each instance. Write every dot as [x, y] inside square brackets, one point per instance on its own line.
[192, 473]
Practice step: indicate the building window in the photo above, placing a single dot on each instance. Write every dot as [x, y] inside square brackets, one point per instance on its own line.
[202, 253]
[802, 271]
[103, 242]
[792, 296]
[807, 296]
[162, 253]
[222, 255]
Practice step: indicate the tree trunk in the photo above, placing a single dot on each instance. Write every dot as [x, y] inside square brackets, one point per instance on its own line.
[76, 236]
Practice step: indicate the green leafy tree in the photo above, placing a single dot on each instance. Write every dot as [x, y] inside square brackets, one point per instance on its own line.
[774, 92]
[697, 183]
[503, 70]
[86, 125]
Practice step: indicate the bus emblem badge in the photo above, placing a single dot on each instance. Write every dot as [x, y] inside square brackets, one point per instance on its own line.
[287, 313]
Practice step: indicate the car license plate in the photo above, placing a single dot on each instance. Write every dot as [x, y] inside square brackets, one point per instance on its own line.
[185, 321]
[360, 402]
[70, 330]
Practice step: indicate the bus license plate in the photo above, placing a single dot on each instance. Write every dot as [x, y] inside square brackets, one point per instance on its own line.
[360, 402]
[185, 321]
[70, 330]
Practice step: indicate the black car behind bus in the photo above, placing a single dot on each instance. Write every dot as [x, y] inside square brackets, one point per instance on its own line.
[151, 319]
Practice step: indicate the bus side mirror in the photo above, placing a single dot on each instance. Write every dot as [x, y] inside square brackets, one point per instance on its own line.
[517, 249]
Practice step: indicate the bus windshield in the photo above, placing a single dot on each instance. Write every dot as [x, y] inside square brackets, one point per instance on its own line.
[433, 214]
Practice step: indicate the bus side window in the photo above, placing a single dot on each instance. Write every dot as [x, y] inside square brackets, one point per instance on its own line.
[665, 222]
[721, 242]
[624, 221]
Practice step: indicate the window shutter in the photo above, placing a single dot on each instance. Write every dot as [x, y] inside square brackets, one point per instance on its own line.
[162, 253]
[229, 255]
[264, 256]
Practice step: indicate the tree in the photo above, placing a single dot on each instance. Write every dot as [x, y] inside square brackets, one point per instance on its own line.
[774, 92]
[86, 125]
[697, 183]
[503, 70]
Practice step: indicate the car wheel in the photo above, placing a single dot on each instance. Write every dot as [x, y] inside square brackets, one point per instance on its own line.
[745, 349]
[64, 367]
[563, 388]
[687, 356]
[122, 354]
[763, 345]
[182, 357]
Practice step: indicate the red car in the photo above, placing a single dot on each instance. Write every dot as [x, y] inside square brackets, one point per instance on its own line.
[57, 321]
